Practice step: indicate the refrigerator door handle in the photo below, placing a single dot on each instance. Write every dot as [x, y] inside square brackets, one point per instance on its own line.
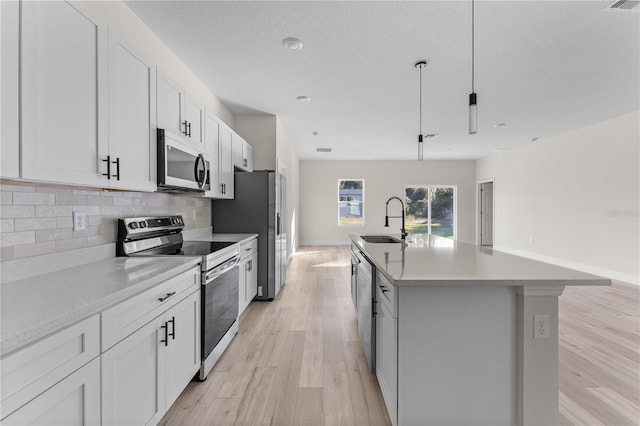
[277, 223]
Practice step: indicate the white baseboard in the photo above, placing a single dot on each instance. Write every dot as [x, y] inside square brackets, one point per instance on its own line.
[589, 269]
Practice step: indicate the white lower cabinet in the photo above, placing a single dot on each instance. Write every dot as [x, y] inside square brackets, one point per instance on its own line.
[73, 401]
[183, 350]
[144, 374]
[387, 353]
[248, 274]
[55, 381]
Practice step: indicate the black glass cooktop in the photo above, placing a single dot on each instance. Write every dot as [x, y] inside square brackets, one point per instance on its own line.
[202, 248]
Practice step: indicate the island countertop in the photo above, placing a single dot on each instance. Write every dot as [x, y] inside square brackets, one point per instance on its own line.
[427, 259]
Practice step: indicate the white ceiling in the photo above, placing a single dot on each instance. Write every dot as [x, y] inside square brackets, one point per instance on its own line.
[542, 67]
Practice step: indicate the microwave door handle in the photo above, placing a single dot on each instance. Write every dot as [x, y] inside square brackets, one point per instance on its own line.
[196, 169]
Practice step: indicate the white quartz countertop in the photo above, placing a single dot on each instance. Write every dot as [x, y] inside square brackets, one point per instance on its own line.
[432, 260]
[35, 307]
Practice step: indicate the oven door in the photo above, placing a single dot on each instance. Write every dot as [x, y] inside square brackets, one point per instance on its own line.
[180, 168]
[219, 303]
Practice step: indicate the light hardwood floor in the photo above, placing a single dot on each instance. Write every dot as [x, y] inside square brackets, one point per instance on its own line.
[298, 360]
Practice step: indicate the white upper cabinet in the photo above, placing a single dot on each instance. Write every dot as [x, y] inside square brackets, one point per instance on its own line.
[9, 141]
[64, 92]
[194, 118]
[179, 112]
[219, 147]
[242, 154]
[226, 162]
[132, 103]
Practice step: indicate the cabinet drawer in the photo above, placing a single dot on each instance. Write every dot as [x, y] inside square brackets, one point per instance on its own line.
[387, 294]
[30, 371]
[249, 248]
[123, 319]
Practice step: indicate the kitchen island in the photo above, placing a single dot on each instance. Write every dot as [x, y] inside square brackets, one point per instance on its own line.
[466, 334]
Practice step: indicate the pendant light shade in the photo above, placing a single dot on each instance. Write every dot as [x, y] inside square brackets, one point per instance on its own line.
[420, 65]
[473, 98]
[473, 113]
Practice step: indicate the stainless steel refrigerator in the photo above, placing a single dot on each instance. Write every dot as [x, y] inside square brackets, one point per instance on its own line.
[259, 206]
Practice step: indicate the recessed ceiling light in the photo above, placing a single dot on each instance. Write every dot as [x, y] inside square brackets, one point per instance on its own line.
[314, 133]
[292, 43]
[500, 125]
[534, 139]
[303, 99]
[323, 149]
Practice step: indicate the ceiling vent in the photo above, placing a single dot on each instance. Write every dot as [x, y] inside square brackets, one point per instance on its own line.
[625, 6]
[323, 149]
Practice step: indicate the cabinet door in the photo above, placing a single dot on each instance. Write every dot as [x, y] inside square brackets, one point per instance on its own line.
[73, 401]
[133, 378]
[132, 91]
[387, 357]
[9, 141]
[212, 147]
[170, 104]
[252, 279]
[243, 267]
[194, 116]
[248, 157]
[64, 92]
[183, 345]
[237, 144]
[226, 162]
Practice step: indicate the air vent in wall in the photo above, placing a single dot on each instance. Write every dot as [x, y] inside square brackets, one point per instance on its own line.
[323, 149]
[625, 6]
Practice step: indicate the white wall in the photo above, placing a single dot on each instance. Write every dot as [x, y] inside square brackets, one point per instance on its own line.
[260, 132]
[127, 25]
[383, 179]
[572, 199]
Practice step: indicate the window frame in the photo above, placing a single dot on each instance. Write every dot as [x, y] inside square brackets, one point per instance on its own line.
[362, 209]
[433, 187]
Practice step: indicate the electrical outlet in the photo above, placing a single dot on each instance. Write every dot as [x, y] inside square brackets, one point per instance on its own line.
[79, 221]
[541, 326]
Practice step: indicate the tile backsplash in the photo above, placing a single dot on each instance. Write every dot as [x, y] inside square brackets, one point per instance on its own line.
[37, 219]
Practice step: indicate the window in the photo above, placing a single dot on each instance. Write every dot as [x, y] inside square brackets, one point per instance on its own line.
[351, 202]
[430, 210]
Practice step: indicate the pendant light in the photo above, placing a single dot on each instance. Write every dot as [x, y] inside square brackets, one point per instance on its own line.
[420, 65]
[473, 98]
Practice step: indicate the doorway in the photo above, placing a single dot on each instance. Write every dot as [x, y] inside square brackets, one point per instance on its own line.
[486, 213]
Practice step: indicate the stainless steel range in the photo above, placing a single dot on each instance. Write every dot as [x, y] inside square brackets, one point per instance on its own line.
[162, 236]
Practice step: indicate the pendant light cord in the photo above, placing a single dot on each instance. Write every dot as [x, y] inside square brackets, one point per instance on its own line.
[421, 99]
[473, 44]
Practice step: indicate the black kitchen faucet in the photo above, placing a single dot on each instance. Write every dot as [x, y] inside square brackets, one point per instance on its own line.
[403, 233]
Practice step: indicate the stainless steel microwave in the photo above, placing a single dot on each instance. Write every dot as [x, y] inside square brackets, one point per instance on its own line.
[180, 167]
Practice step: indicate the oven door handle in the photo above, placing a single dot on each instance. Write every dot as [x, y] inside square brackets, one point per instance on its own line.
[220, 269]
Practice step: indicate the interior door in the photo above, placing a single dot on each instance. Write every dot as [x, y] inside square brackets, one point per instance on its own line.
[486, 214]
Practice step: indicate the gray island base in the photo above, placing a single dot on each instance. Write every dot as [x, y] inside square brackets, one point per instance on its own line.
[466, 334]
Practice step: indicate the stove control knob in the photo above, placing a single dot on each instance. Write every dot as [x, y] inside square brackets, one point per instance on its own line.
[143, 224]
[133, 225]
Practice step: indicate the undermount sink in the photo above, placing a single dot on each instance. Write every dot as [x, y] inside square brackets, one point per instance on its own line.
[380, 239]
